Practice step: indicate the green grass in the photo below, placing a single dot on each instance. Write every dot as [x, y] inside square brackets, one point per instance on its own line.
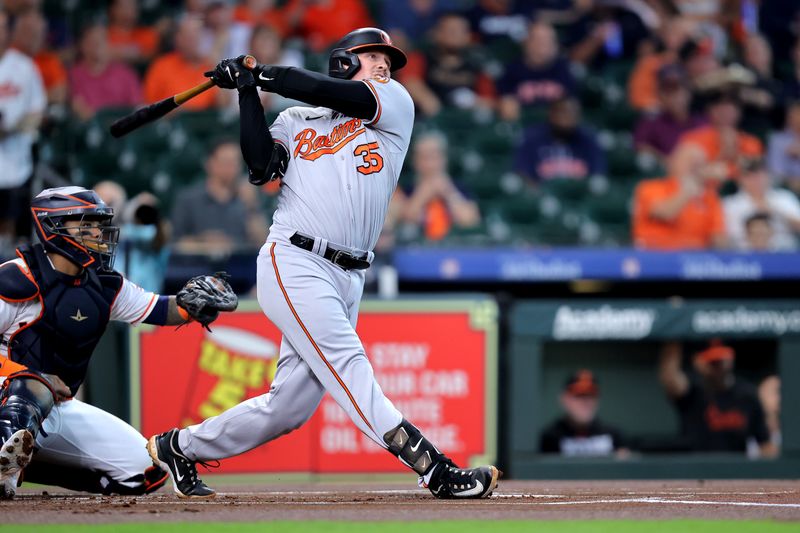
[593, 526]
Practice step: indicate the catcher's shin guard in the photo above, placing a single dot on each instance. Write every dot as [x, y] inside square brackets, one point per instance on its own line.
[25, 401]
[415, 451]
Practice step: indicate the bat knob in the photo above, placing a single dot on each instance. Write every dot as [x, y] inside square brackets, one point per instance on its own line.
[249, 62]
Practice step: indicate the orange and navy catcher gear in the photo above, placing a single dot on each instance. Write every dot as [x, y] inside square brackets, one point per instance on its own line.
[53, 207]
[343, 62]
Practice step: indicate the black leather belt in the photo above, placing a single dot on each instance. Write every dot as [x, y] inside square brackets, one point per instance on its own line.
[341, 258]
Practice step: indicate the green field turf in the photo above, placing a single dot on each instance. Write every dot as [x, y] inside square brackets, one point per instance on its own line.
[593, 526]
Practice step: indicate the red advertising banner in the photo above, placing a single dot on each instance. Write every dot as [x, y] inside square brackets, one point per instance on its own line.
[435, 360]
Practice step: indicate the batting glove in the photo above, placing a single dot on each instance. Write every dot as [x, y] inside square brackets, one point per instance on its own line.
[231, 74]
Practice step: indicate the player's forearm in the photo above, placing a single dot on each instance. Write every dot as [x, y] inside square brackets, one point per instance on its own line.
[254, 137]
[351, 98]
[166, 312]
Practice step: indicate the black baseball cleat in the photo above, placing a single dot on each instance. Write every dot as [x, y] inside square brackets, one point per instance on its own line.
[450, 482]
[166, 453]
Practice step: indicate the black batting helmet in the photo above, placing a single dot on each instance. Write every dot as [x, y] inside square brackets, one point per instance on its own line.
[344, 62]
[51, 208]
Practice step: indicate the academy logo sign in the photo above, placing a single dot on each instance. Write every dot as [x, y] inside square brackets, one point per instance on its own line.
[604, 322]
[744, 320]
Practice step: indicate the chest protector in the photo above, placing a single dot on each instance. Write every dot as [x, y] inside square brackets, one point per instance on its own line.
[75, 313]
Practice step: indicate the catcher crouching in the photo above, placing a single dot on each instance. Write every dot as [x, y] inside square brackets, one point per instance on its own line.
[56, 299]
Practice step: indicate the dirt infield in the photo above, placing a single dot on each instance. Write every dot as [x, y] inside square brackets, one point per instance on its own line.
[372, 501]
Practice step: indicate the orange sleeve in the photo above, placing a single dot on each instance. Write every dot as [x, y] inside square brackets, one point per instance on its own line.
[751, 146]
[154, 81]
[8, 367]
[642, 200]
[642, 84]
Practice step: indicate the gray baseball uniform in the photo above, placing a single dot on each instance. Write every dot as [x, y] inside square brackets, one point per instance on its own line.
[340, 178]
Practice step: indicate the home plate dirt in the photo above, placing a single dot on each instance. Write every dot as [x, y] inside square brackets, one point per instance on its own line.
[374, 501]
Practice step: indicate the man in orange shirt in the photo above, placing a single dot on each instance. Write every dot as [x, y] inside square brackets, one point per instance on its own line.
[721, 139]
[30, 32]
[176, 71]
[682, 211]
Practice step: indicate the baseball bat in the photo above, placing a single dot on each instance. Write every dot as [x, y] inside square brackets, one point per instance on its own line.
[152, 112]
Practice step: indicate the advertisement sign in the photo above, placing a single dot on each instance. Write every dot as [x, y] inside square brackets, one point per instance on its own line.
[434, 359]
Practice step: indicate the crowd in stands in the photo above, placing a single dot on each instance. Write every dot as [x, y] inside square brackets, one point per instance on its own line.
[686, 109]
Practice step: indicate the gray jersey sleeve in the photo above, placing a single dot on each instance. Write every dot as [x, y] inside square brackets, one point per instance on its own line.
[395, 114]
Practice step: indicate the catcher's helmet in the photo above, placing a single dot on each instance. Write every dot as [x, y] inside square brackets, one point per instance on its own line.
[344, 63]
[83, 245]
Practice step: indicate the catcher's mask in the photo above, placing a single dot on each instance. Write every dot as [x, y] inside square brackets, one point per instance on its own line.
[90, 239]
[344, 63]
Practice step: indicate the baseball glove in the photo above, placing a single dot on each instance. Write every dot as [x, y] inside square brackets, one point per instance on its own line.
[203, 297]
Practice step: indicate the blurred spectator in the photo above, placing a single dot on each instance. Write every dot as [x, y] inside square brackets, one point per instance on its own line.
[98, 82]
[323, 22]
[683, 210]
[721, 139]
[711, 17]
[393, 221]
[699, 61]
[762, 101]
[114, 196]
[540, 77]
[579, 433]
[22, 105]
[266, 45]
[29, 37]
[128, 40]
[757, 195]
[644, 83]
[264, 12]
[496, 19]
[436, 204]
[174, 72]
[769, 394]
[143, 252]
[411, 20]
[758, 233]
[719, 412]
[605, 33]
[560, 149]
[659, 134]
[210, 217]
[451, 72]
[221, 36]
[784, 150]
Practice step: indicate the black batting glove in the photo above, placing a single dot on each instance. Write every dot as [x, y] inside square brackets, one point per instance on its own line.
[231, 74]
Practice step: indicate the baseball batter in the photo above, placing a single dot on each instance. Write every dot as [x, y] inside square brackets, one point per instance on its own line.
[56, 300]
[340, 164]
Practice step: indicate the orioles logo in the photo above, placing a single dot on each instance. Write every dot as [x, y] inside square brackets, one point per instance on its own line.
[311, 146]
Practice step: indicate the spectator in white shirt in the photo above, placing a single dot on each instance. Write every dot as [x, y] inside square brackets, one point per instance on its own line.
[22, 104]
[784, 150]
[757, 196]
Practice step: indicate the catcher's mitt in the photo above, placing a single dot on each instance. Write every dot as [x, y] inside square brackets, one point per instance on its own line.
[203, 297]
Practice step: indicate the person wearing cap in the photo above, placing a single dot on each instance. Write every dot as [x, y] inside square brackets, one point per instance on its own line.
[718, 411]
[658, 134]
[757, 195]
[579, 433]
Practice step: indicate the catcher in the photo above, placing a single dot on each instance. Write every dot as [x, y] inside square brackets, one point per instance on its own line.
[56, 299]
